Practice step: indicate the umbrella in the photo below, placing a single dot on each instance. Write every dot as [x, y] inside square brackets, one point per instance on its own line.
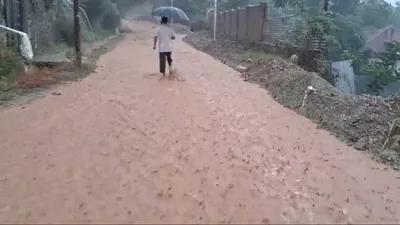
[176, 14]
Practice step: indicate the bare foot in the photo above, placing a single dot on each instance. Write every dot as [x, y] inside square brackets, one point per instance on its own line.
[163, 76]
[171, 75]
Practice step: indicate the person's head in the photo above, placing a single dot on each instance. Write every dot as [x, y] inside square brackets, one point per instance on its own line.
[164, 20]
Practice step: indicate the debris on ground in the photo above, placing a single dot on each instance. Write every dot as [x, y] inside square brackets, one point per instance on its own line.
[57, 93]
[241, 68]
[361, 121]
[360, 145]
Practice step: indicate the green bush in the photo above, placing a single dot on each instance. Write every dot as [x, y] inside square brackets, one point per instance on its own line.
[65, 31]
[112, 18]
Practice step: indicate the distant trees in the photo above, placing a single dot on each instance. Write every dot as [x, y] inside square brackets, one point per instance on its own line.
[103, 14]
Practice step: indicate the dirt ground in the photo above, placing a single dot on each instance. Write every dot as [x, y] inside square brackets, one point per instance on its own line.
[124, 146]
[361, 121]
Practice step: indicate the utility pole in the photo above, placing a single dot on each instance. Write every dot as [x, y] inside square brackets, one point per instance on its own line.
[78, 48]
[215, 19]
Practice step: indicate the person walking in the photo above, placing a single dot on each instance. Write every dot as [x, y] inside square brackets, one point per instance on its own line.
[164, 36]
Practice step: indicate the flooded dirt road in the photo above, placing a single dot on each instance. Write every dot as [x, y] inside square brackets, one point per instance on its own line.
[123, 146]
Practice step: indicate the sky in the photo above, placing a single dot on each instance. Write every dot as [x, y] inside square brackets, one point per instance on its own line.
[392, 1]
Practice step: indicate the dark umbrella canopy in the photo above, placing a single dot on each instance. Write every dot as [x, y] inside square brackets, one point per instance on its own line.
[176, 14]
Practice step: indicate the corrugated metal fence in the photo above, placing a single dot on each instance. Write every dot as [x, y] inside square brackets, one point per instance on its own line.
[344, 76]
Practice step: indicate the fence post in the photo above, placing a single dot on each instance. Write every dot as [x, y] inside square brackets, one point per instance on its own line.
[24, 15]
[218, 22]
[264, 8]
[14, 8]
[211, 23]
[224, 22]
[8, 10]
[15, 21]
[237, 23]
[247, 22]
[230, 23]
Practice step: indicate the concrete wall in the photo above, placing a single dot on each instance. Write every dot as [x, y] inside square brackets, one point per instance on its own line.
[244, 24]
[255, 22]
[220, 24]
[227, 23]
[252, 25]
[234, 24]
[242, 28]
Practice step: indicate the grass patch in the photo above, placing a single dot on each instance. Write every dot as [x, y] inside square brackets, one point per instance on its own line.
[37, 81]
[263, 56]
[391, 157]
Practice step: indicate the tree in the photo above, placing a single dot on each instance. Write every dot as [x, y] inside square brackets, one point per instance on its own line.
[337, 6]
[126, 4]
[290, 3]
[376, 13]
[385, 69]
[396, 15]
[233, 4]
[345, 8]
[103, 14]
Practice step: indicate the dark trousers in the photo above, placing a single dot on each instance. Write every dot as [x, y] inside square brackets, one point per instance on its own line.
[165, 56]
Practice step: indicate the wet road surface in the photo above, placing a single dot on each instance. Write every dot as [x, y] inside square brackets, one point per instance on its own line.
[123, 146]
